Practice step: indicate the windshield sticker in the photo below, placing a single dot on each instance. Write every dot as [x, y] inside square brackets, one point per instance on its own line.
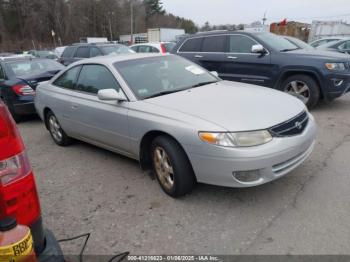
[142, 91]
[195, 70]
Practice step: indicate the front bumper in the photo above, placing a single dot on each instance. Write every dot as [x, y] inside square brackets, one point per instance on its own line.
[336, 85]
[24, 108]
[218, 165]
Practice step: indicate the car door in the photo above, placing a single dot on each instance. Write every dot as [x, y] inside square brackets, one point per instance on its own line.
[213, 53]
[104, 123]
[243, 65]
[191, 49]
[59, 99]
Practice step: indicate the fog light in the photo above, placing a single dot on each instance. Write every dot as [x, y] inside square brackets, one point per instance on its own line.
[247, 176]
[337, 82]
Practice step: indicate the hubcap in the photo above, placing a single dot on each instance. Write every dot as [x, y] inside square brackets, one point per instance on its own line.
[55, 128]
[163, 168]
[299, 89]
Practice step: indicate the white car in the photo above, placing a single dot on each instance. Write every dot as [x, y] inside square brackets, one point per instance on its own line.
[160, 48]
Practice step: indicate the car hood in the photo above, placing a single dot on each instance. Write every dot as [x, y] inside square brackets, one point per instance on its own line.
[232, 106]
[320, 54]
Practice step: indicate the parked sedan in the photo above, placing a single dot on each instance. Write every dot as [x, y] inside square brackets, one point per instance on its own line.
[162, 48]
[19, 77]
[341, 46]
[326, 40]
[178, 119]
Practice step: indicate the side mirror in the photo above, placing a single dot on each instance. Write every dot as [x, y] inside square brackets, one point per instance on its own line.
[110, 95]
[214, 73]
[258, 49]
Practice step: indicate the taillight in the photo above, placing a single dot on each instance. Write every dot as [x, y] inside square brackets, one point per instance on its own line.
[18, 195]
[162, 46]
[23, 90]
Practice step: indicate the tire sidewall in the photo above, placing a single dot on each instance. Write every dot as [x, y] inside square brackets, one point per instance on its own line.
[64, 139]
[184, 180]
[312, 85]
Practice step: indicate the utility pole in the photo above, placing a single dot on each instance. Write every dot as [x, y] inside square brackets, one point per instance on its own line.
[110, 28]
[264, 19]
[132, 22]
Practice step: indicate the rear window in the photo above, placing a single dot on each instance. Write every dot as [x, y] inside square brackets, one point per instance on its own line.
[214, 44]
[192, 45]
[116, 49]
[32, 67]
[83, 52]
[68, 51]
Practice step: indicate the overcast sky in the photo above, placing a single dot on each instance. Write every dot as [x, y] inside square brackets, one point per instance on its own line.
[247, 11]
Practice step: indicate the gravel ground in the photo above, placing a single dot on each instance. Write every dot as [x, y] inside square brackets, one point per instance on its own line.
[87, 189]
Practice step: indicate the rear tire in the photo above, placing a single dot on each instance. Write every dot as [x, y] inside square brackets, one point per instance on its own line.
[172, 167]
[11, 109]
[303, 87]
[57, 133]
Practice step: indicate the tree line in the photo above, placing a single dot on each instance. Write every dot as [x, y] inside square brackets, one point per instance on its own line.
[25, 24]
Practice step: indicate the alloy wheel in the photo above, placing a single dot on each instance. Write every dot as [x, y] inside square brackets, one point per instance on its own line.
[163, 168]
[299, 89]
[55, 128]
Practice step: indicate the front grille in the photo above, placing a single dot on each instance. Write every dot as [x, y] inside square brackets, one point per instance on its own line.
[292, 127]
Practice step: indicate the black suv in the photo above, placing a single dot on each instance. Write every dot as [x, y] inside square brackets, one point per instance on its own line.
[77, 52]
[269, 60]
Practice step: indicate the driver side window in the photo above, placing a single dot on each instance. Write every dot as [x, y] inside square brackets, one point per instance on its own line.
[93, 78]
[241, 44]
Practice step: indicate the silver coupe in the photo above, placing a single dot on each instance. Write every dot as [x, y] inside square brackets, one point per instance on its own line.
[178, 119]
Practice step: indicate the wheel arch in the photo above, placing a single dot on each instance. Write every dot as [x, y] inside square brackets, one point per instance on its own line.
[145, 147]
[292, 72]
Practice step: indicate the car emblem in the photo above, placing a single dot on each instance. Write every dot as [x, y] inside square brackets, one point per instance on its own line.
[298, 125]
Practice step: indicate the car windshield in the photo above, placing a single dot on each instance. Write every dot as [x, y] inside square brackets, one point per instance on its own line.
[116, 49]
[299, 43]
[155, 76]
[277, 42]
[32, 67]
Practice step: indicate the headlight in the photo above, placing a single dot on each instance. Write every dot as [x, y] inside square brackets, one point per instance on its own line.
[239, 139]
[335, 66]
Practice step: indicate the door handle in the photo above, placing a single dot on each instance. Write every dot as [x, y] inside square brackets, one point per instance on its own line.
[232, 57]
[198, 56]
[74, 107]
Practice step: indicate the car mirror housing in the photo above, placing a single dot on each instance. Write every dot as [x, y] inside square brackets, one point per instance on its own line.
[110, 95]
[258, 49]
[214, 73]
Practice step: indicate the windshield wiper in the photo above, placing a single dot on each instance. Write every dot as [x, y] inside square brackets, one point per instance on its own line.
[289, 49]
[164, 93]
[203, 84]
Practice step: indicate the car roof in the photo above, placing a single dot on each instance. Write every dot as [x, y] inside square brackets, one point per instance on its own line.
[95, 44]
[111, 59]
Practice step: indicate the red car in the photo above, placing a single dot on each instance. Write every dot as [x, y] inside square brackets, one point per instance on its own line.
[18, 193]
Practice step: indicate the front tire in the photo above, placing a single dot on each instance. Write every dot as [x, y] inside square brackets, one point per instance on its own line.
[303, 87]
[172, 167]
[56, 131]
